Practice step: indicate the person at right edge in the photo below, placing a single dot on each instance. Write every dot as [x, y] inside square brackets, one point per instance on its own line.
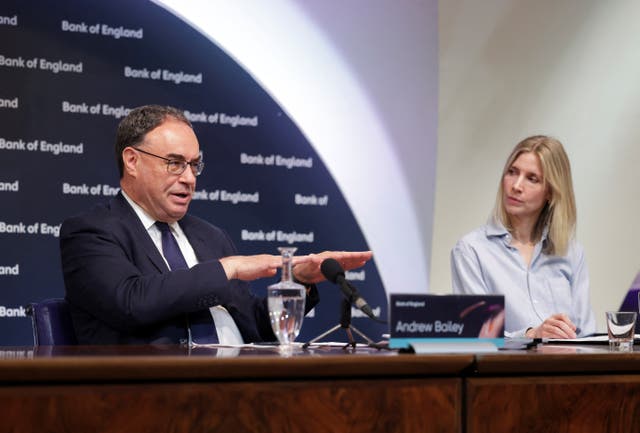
[527, 251]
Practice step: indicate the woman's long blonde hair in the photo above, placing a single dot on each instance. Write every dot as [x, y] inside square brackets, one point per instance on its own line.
[559, 213]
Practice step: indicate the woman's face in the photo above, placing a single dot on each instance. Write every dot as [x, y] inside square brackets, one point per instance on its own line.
[525, 193]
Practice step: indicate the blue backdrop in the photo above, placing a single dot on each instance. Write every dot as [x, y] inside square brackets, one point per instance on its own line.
[69, 73]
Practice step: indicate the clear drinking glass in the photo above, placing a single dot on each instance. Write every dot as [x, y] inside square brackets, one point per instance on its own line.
[621, 330]
[286, 303]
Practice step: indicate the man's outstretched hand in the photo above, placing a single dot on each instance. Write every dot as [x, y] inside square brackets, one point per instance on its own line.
[248, 268]
[308, 271]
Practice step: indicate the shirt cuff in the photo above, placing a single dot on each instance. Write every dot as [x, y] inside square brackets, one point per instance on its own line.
[521, 333]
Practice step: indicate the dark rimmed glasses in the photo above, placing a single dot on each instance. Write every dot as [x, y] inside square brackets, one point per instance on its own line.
[177, 166]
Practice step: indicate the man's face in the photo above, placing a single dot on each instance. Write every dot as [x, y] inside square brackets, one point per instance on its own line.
[165, 196]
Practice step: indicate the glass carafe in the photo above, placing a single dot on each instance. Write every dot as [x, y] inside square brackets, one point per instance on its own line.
[286, 302]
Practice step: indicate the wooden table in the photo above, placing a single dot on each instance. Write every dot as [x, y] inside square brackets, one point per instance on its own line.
[560, 389]
[174, 389]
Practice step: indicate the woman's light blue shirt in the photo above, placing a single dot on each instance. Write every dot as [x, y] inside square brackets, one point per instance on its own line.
[485, 262]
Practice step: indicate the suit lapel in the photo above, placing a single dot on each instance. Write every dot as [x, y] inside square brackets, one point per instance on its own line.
[198, 242]
[140, 236]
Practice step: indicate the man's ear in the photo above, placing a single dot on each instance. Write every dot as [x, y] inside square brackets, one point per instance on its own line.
[130, 161]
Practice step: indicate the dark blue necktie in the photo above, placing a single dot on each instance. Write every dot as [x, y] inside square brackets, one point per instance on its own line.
[201, 323]
[170, 248]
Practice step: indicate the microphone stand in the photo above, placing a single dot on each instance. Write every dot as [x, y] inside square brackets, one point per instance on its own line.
[345, 323]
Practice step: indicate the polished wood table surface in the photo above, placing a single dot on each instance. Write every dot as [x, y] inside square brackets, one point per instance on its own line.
[81, 363]
[176, 389]
[555, 388]
[562, 388]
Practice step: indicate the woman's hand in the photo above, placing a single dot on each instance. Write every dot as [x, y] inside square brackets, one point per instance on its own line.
[556, 326]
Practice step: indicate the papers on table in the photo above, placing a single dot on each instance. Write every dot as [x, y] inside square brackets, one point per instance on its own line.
[593, 339]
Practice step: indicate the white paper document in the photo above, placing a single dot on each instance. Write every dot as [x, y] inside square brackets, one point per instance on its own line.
[600, 339]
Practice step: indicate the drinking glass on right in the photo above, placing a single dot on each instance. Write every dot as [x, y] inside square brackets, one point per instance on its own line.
[621, 328]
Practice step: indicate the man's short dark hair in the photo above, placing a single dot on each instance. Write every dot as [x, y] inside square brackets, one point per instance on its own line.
[141, 120]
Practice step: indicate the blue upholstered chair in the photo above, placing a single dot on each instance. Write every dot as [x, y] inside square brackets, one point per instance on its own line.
[51, 321]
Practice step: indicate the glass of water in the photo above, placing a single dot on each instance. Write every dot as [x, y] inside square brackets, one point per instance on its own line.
[621, 329]
[286, 303]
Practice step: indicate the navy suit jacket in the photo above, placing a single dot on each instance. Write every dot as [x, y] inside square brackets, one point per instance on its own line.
[121, 291]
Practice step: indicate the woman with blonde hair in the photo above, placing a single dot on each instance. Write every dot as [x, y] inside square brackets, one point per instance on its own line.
[527, 251]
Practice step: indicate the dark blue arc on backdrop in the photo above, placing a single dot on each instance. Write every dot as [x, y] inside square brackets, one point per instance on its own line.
[52, 185]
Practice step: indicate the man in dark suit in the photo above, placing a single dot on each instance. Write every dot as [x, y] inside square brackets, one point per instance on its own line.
[122, 282]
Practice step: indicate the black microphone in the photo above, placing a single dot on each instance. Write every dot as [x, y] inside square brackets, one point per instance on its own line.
[333, 272]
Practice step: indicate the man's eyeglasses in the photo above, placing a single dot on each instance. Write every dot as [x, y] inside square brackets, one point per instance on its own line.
[177, 166]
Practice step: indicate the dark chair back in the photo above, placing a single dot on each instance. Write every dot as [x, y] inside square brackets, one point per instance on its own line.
[51, 321]
[630, 301]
